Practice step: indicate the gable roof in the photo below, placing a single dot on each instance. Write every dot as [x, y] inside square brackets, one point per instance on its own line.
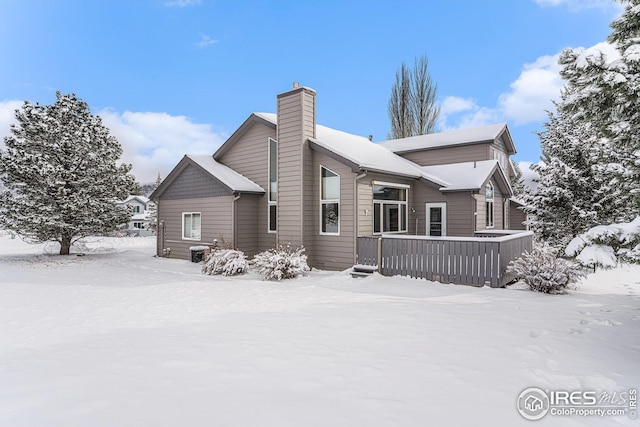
[468, 175]
[359, 152]
[262, 118]
[232, 180]
[141, 199]
[477, 135]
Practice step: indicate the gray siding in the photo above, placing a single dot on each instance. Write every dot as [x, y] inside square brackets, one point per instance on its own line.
[516, 217]
[498, 210]
[441, 156]
[365, 207]
[249, 157]
[460, 206]
[331, 252]
[246, 226]
[216, 215]
[194, 183]
[296, 123]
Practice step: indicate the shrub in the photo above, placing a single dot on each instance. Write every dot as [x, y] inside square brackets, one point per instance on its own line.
[543, 271]
[226, 262]
[605, 245]
[282, 262]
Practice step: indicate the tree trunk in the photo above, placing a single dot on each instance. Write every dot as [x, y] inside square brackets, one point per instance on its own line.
[65, 245]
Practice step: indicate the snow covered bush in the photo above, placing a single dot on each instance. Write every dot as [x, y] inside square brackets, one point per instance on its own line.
[543, 271]
[226, 262]
[282, 262]
[605, 245]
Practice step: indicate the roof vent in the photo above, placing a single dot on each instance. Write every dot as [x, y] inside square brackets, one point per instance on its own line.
[370, 137]
[296, 85]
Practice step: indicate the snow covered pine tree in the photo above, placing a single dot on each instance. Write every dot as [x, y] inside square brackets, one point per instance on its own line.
[60, 173]
[591, 147]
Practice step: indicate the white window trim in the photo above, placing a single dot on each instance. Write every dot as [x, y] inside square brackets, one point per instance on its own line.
[195, 239]
[398, 202]
[327, 201]
[269, 201]
[442, 205]
[493, 206]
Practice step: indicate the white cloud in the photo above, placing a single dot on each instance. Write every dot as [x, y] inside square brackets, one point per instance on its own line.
[528, 175]
[532, 92]
[182, 3]
[151, 142]
[7, 117]
[576, 5]
[526, 101]
[155, 142]
[205, 41]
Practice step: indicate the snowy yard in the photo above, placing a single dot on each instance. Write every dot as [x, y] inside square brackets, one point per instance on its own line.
[120, 338]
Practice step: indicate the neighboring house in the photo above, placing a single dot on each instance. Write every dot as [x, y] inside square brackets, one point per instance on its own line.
[139, 222]
[281, 178]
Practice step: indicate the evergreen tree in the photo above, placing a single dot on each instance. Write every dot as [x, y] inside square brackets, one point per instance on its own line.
[412, 105]
[591, 147]
[60, 173]
[517, 182]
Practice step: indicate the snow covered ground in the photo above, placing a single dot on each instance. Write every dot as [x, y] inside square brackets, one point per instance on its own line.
[120, 338]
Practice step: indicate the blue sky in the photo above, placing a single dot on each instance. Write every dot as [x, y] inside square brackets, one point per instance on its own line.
[176, 76]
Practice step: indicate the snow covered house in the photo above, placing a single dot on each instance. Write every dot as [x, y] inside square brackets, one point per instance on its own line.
[139, 222]
[282, 178]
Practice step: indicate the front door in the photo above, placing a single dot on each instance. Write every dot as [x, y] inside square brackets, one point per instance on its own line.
[436, 219]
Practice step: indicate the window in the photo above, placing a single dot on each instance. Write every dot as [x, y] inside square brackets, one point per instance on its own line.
[389, 208]
[329, 202]
[272, 213]
[489, 204]
[501, 158]
[136, 209]
[138, 224]
[191, 223]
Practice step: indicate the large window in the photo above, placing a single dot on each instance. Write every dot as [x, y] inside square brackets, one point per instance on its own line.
[329, 202]
[489, 204]
[272, 213]
[191, 225]
[389, 208]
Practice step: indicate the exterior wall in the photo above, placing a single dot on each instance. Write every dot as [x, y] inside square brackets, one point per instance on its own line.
[365, 207]
[365, 201]
[331, 252]
[194, 183]
[460, 209]
[440, 156]
[247, 228]
[216, 216]
[516, 217]
[249, 157]
[296, 123]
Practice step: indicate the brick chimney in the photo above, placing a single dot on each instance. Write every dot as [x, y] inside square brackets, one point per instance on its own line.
[296, 124]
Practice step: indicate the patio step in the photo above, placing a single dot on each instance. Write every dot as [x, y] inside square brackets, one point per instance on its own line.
[360, 271]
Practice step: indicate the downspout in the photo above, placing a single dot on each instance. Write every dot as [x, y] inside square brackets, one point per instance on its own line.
[233, 220]
[355, 216]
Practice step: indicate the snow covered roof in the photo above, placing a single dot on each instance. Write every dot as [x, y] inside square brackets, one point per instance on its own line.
[359, 151]
[142, 199]
[225, 174]
[449, 138]
[464, 176]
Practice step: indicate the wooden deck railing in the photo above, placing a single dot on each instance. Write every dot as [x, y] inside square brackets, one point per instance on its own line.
[474, 261]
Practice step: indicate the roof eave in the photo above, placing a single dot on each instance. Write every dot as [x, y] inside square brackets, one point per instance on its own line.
[235, 136]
